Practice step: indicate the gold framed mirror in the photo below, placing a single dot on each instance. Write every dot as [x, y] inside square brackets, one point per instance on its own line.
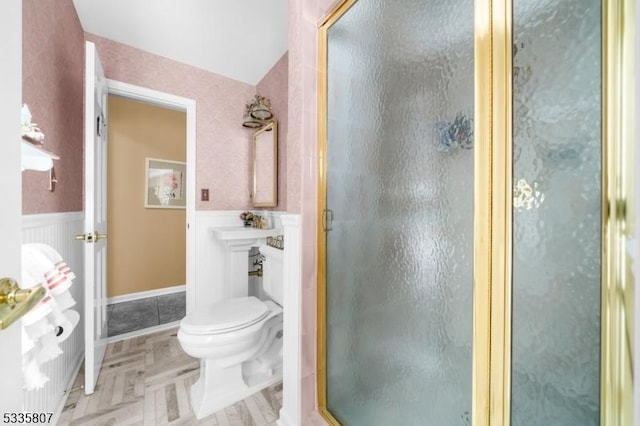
[265, 166]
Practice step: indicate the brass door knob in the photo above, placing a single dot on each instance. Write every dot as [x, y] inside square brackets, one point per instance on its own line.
[15, 302]
[85, 237]
[91, 237]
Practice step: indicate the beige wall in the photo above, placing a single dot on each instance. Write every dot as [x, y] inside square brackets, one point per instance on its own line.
[146, 246]
[224, 157]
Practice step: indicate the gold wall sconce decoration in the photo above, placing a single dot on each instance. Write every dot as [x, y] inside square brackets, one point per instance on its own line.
[258, 114]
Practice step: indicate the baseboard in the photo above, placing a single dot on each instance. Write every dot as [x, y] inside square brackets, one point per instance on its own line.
[68, 385]
[144, 331]
[144, 294]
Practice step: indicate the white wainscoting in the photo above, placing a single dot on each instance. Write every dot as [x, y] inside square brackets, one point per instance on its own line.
[291, 412]
[58, 231]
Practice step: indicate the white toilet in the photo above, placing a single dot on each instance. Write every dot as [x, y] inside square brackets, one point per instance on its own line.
[238, 341]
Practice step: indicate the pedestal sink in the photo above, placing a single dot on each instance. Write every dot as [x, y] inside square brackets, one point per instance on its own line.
[238, 241]
[235, 233]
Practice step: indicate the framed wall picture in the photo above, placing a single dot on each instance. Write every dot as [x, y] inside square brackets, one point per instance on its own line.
[165, 184]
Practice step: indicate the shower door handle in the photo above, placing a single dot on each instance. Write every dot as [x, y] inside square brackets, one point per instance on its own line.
[327, 220]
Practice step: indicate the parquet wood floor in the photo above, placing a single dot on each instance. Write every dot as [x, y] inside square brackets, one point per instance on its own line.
[146, 380]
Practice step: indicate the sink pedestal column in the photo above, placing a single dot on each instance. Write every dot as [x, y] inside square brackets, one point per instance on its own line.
[236, 269]
[236, 243]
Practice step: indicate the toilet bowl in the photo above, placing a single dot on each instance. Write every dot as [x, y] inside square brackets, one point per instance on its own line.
[238, 342]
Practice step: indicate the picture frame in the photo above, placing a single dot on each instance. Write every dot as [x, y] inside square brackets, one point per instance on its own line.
[165, 184]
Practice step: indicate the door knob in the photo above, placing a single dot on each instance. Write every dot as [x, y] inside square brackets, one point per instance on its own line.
[85, 237]
[91, 237]
[16, 301]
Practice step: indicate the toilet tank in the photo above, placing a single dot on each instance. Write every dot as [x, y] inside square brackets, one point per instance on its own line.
[273, 274]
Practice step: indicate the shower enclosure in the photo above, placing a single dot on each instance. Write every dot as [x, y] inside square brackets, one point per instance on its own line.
[471, 261]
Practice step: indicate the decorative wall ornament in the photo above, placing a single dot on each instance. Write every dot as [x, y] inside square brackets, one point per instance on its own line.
[258, 114]
[525, 197]
[456, 134]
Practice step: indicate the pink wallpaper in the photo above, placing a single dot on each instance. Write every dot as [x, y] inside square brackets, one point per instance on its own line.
[52, 72]
[223, 152]
[274, 86]
[52, 86]
[302, 170]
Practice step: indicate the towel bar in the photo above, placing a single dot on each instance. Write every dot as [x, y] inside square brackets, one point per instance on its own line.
[15, 302]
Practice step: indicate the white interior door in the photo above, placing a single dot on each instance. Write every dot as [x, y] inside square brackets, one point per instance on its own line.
[95, 210]
[10, 213]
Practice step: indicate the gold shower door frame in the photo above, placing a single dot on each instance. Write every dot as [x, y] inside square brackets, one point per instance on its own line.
[492, 284]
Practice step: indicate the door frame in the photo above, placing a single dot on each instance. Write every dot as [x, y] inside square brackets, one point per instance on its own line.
[174, 102]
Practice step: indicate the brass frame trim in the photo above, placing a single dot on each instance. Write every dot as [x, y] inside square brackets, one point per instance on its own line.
[502, 200]
[271, 126]
[321, 360]
[618, 201]
[493, 214]
[481, 349]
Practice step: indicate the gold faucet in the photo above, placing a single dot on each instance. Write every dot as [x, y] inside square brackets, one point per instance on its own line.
[257, 272]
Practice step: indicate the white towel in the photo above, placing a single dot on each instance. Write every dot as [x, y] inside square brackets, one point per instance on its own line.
[46, 250]
[48, 349]
[34, 267]
[57, 273]
[33, 376]
[27, 343]
[41, 264]
[36, 322]
[64, 268]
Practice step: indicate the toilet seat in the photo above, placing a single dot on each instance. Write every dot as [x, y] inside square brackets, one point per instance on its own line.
[227, 316]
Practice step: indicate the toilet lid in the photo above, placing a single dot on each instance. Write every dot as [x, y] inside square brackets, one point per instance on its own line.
[232, 314]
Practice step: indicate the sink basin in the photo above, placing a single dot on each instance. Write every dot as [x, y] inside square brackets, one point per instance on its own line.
[243, 233]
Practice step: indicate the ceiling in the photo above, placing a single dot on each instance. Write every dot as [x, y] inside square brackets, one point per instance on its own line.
[240, 39]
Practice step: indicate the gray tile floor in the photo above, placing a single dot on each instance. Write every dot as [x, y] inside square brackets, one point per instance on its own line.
[139, 314]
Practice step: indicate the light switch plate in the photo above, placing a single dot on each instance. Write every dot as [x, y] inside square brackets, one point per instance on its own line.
[204, 194]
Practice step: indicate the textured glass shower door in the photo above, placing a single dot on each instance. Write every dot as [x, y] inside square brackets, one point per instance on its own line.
[557, 245]
[551, 287]
[399, 218]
